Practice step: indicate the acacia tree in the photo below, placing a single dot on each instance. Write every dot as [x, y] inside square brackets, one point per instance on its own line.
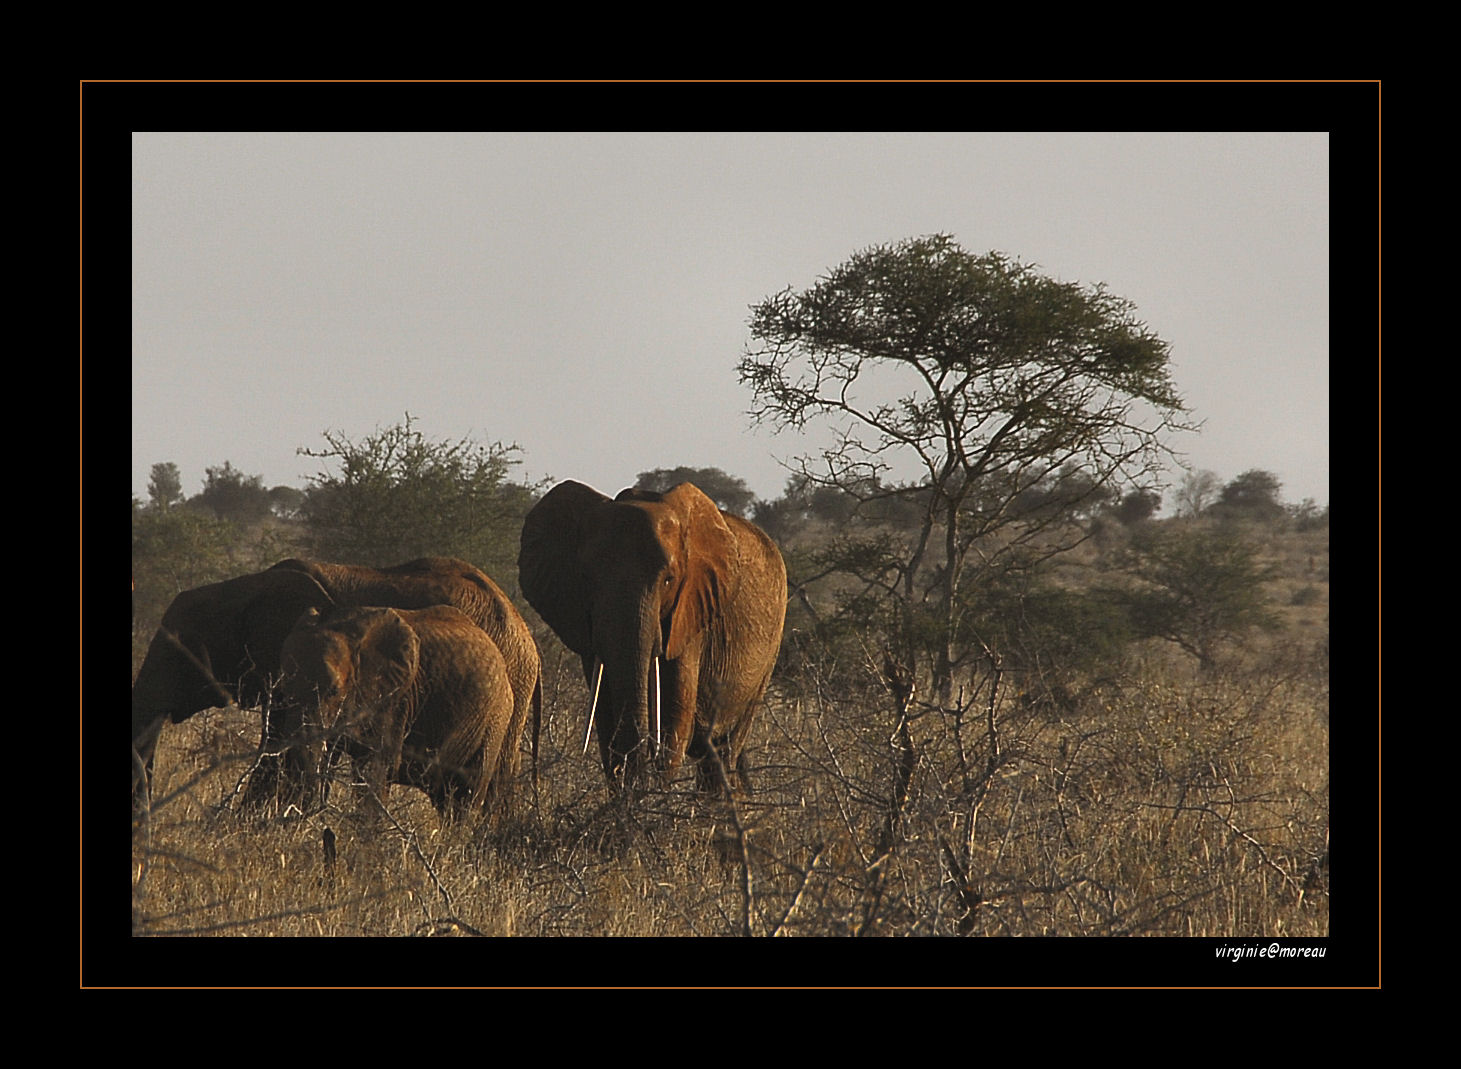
[1253, 494]
[1198, 587]
[1197, 491]
[987, 379]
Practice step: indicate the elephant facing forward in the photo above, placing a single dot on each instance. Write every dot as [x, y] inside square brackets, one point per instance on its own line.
[419, 584]
[416, 696]
[676, 610]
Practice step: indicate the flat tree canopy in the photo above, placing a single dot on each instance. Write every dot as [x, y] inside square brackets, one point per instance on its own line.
[987, 377]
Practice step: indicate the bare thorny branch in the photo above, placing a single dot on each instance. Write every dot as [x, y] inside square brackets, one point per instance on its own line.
[898, 676]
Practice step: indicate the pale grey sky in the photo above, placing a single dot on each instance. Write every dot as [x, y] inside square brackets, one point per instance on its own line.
[586, 295]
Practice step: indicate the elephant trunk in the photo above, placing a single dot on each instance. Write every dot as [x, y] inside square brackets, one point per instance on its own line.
[307, 751]
[628, 646]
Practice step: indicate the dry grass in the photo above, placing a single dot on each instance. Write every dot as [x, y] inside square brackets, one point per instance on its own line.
[1162, 807]
[1161, 802]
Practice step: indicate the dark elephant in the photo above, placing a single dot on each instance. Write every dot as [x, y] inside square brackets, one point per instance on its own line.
[221, 643]
[217, 644]
[676, 610]
[417, 696]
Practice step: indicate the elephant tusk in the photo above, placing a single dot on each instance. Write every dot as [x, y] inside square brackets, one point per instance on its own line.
[654, 727]
[593, 704]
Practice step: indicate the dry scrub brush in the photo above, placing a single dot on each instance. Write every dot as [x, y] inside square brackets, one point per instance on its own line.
[1161, 801]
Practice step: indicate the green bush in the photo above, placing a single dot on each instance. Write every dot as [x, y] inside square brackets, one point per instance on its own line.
[394, 496]
[1196, 585]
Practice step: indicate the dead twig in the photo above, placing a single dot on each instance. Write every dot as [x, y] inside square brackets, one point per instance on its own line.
[898, 675]
[780, 929]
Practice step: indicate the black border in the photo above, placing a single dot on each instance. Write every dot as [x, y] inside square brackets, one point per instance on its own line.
[110, 111]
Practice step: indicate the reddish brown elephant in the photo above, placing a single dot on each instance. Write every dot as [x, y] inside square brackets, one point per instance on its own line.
[419, 584]
[220, 643]
[676, 610]
[417, 696]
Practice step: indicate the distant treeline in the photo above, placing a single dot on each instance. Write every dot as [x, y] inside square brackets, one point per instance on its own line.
[395, 495]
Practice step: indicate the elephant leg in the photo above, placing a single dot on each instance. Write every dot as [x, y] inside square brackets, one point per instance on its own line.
[455, 779]
[708, 779]
[679, 681]
[508, 761]
[728, 750]
[441, 787]
[497, 779]
[144, 753]
[733, 747]
[464, 794]
[743, 773]
[322, 764]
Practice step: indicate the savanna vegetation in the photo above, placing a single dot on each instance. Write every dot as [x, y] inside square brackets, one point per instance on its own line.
[1016, 695]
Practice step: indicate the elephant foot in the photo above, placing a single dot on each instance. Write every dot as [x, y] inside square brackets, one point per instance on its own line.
[713, 777]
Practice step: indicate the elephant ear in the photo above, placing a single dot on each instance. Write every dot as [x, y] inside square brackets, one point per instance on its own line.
[294, 653]
[275, 602]
[388, 655]
[709, 553]
[548, 562]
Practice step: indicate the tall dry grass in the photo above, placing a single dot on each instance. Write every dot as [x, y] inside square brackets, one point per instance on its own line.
[1149, 799]
[1164, 803]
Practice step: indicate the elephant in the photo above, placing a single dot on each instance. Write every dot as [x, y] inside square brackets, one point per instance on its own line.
[676, 611]
[221, 642]
[428, 581]
[417, 696]
[217, 644]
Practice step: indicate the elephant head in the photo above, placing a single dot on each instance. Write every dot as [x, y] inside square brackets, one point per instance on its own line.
[675, 609]
[347, 679]
[217, 644]
[420, 697]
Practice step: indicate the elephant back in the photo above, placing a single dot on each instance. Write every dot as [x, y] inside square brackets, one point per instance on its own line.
[416, 584]
[428, 581]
